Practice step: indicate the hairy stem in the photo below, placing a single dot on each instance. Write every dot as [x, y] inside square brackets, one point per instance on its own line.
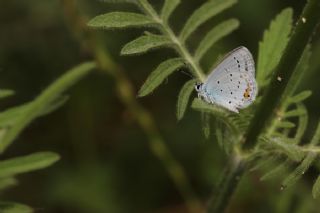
[305, 27]
[227, 185]
[126, 94]
[166, 30]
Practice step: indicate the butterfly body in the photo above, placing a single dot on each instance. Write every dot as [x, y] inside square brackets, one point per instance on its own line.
[232, 83]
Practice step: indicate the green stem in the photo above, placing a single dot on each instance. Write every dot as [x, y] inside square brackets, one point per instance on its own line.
[228, 184]
[166, 30]
[126, 94]
[305, 27]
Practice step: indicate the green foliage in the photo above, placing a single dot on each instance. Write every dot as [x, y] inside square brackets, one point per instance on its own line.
[316, 188]
[183, 98]
[145, 43]
[167, 38]
[6, 93]
[15, 119]
[168, 7]
[10, 207]
[202, 14]
[214, 35]
[271, 47]
[279, 140]
[27, 163]
[119, 20]
[159, 74]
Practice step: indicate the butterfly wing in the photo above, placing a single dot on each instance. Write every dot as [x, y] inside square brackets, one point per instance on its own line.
[232, 83]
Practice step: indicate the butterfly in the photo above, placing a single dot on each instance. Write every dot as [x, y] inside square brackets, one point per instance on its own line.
[232, 83]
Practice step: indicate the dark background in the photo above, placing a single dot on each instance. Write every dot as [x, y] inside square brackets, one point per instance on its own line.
[106, 164]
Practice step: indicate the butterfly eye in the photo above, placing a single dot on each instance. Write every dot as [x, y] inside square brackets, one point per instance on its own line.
[198, 86]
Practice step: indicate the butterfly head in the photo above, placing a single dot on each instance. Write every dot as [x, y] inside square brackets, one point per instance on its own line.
[198, 86]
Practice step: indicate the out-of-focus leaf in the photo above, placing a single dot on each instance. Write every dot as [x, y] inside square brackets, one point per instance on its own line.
[27, 163]
[11, 207]
[168, 7]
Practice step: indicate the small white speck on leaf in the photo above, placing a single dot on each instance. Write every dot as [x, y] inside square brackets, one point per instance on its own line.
[304, 20]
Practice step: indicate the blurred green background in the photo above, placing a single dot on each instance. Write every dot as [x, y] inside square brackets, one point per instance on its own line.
[106, 164]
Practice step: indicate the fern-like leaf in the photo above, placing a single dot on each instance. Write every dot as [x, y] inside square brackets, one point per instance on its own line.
[184, 97]
[12, 207]
[214, 35]
[159, 74]
[167, 9]
[120, 20]
[300, 97]
[202, 14]
[299, 171]
[271, 47]
[145, 43]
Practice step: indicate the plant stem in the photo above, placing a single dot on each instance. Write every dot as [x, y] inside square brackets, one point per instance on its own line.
[227, 186]
[126, 94]
[305, 27]
[166, 30]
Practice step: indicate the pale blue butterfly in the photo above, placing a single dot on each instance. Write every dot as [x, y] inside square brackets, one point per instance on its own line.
[232, 83]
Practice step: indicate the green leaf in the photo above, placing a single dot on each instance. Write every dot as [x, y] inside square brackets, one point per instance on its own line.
[285, 124]
[300, 97]
[303, 122]
[271, 47]
[299, 171]
[120, 20]
[11, 207]
[167, 9]
[43, 103]
[6, 93]
[292, 151]
[202, 14]
[214, 35]
[316, 137]
[220, 113]
[7, 183]
[159, 74]
[27, 163]
[205, 121]
[316, 188]
[294, 113]
[184, 97]
[145, 43]
[277, 171]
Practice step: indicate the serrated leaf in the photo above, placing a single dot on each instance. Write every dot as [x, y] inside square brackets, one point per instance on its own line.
[285, 124]
[159, 74]
[316, 188]
[44, 102]
[271, 47]
[184, 97]
[6, 93]
[11, 207]
[214, 35]
[167, 9]
[300, 97]
[145, 43]
[120, 20]
[27, 163]
[202, 14]
[299, 171]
